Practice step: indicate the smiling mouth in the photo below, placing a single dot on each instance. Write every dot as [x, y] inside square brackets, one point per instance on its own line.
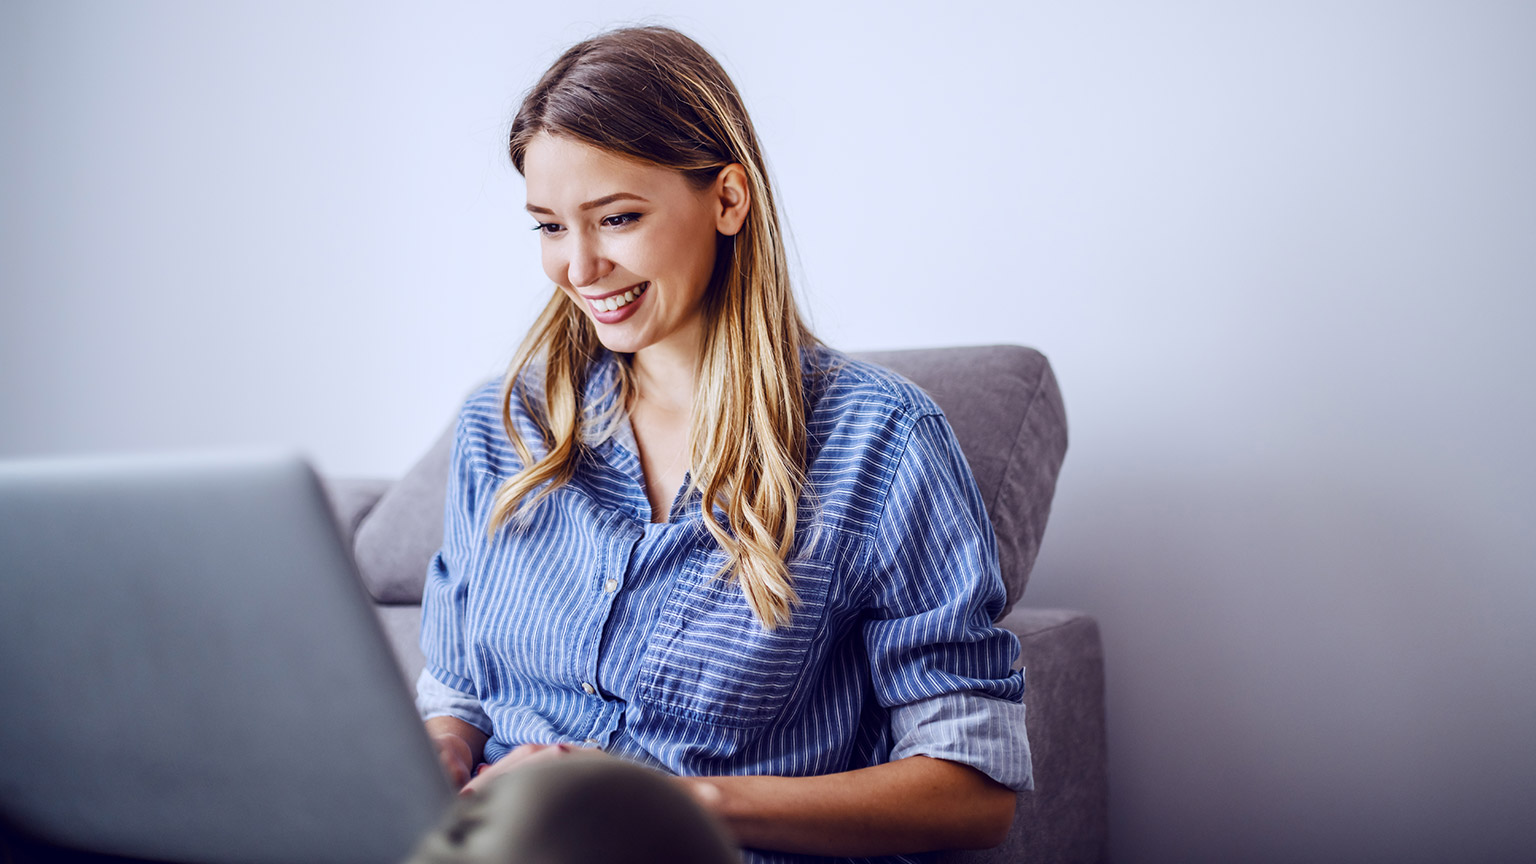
[614, 302]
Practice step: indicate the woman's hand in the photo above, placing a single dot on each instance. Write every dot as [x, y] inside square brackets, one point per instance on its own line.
[457, 761]
[524, 755]
[459, 747]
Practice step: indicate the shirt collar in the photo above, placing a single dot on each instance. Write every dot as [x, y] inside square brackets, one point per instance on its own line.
[602, 419]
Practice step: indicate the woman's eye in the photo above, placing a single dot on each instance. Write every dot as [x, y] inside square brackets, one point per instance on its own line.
[549, 228]
[619, 220]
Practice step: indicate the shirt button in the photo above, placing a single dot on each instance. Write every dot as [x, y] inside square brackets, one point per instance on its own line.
[588, 688]
[610, 586]
[592, 741]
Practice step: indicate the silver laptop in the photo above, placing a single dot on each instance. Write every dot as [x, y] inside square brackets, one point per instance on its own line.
[191, 671]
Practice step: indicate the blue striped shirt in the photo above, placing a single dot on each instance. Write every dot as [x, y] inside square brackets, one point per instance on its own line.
[593, 625]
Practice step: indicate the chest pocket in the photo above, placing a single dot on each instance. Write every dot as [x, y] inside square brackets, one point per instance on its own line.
[711, 661]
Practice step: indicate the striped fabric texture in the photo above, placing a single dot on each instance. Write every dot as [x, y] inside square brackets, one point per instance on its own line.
[591, 624]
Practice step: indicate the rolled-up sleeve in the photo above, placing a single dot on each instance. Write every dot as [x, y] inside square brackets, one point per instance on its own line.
[443, 600]
[986, 733]
[436, 699]
[936, 659]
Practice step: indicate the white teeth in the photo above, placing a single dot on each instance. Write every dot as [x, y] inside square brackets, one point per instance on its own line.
[609, 304]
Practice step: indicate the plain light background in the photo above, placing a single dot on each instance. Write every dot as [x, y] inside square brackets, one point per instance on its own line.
[1283, 257]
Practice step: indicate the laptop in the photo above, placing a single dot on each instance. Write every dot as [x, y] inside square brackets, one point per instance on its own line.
[191, 670]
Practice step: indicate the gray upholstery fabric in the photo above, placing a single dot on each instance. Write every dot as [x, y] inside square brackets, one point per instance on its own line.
[397, 540]
[351, 501]
[1066, 817]
[1002, 402]
[402, 624]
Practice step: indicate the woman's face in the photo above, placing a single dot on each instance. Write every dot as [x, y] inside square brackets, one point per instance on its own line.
[632, 244]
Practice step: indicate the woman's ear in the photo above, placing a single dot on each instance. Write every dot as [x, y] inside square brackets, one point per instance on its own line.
[733, 197]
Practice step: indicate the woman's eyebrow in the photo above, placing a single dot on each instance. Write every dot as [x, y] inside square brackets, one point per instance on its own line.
[596, 202]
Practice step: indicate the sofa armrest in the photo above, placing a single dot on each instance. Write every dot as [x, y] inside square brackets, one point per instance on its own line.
[1066, 817]
[352, 499]
[402, 626]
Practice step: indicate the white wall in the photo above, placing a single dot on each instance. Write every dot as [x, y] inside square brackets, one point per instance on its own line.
[1282, 258]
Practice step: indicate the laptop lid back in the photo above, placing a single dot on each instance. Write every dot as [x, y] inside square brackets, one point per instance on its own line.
[190, 669]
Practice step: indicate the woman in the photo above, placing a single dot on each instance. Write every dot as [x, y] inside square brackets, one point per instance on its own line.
[683, 533]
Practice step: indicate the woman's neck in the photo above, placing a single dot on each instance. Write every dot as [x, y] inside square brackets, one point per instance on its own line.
[665, 375]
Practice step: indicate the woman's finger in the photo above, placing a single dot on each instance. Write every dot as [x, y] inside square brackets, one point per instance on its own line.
[523, 755]
[519, 756]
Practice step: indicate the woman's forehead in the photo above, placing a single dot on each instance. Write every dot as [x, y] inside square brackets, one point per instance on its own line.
[563, 172]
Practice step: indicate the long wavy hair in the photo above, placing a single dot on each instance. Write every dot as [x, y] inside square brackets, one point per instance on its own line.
[653, 94]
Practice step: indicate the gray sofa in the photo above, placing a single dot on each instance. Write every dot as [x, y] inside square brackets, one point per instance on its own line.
[1007, 412]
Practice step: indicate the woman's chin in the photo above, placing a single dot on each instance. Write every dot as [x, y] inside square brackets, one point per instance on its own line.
[619, 340]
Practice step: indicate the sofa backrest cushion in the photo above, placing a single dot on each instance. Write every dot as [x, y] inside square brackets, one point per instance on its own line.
[1002, 402]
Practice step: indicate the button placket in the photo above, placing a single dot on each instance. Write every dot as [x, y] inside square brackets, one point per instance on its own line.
[618, 551]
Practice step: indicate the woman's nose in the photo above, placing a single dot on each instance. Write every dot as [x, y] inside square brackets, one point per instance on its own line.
[587, 265]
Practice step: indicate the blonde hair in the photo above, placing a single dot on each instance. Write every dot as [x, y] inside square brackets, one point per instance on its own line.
[653, 94]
